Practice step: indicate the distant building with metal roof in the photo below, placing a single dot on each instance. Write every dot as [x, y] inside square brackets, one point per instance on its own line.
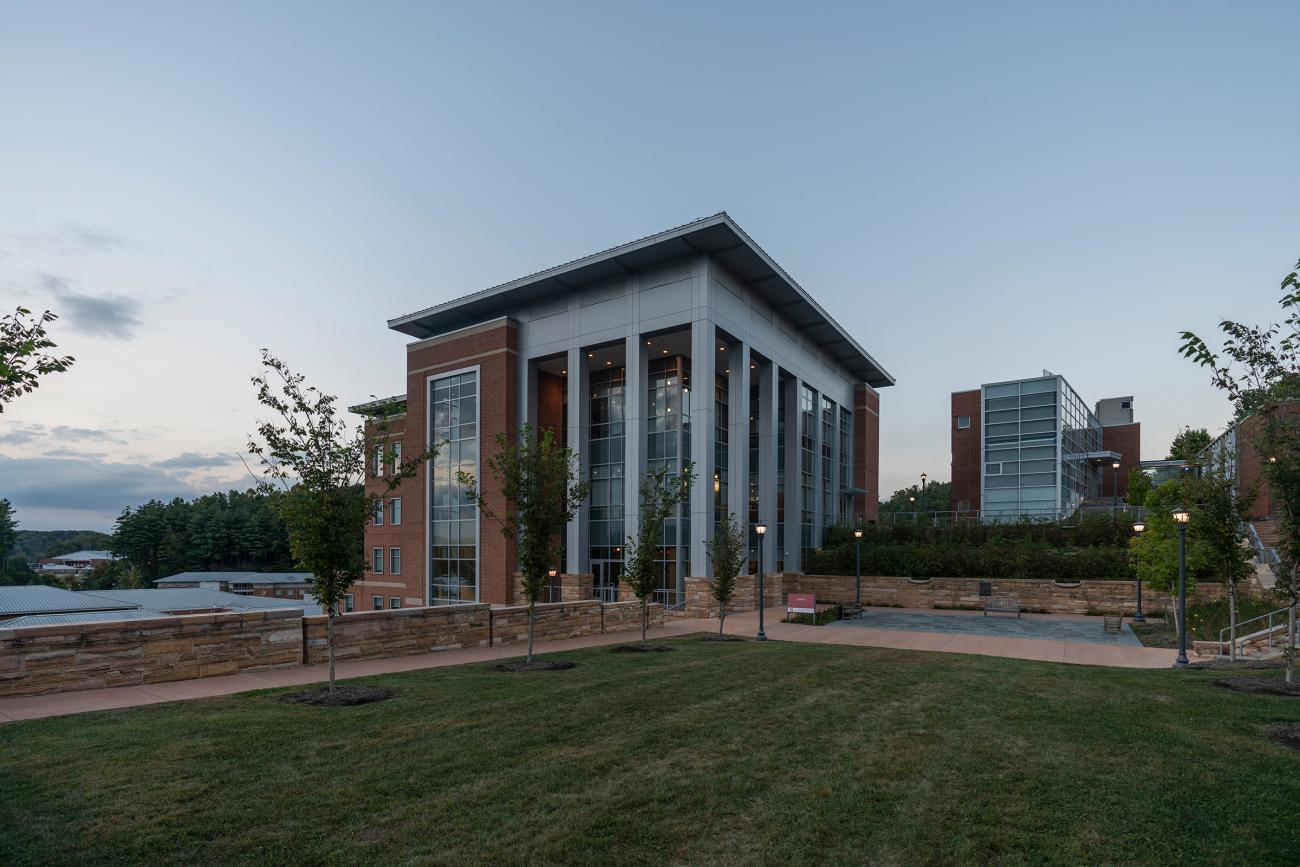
[72, 606]
[43, 599]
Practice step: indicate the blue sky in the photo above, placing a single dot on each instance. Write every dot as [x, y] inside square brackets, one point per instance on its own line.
[975, 191]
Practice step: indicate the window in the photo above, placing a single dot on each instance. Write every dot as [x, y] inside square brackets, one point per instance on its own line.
[394, 561]
[453, 517]
[395, 511]
[394, 602]
[377, 603]
[377, 467]
[379, 513]
[1126, 404]
[349, 603]
[377, 561]
[993, 469]
[963, 422]
[396, 451]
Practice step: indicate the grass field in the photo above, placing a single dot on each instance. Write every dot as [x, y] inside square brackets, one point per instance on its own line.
[717, 753]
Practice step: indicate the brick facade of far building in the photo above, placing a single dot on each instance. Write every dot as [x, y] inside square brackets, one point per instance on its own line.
[965, 426]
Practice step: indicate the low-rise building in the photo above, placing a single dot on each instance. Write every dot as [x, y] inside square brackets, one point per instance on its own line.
[279, 585]
[38, 604]
[76, 563]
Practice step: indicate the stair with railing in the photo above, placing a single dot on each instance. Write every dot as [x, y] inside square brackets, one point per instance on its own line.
[1267, 636]
[1262, 536]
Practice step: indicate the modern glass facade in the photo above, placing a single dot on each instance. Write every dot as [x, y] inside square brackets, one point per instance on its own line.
[846, 451]
[605, 466]
[453, 518]
[780, 475]
[828, 464]
[721, 444]
[668, 443]
[1038, 434]
[807, 469]
[752, 499]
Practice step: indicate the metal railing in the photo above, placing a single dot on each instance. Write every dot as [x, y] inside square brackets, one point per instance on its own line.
[997, 516]
[672, 599]
[1263, 554]
[1269, 630]
[605, 592]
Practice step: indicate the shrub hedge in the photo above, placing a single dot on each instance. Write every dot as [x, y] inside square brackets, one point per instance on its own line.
[997, 559]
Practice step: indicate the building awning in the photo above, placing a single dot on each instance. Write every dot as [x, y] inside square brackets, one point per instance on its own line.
[718, 236]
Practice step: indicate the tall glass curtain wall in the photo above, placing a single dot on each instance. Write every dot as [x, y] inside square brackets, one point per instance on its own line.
[846, 438]
[721, 442]
[807, 468]
[752, 499]
[1080, 434]
[828, 467]
[605, 463]
[780, 476]
[453, 518]
[1023, 424]
[668, 443]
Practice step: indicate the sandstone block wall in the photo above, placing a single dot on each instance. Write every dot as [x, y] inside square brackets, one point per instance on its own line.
[67, 657]
[396, 632]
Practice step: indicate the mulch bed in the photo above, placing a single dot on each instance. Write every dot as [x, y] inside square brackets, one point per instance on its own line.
[641, 648]
[344, 696]
[1259, 685]
[722, 637]
[1286, 734]
[519, 665]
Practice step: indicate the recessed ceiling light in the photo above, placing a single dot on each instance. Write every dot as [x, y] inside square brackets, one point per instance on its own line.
[591, 355]
[665, 352]
[728, 370]
[565, 372]
[608, 363]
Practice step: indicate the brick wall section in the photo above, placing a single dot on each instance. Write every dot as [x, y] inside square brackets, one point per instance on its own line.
[1089, 596]
[403, 632]
[1127, 440]
[866, 451]
[68, 657]
[493, 348]
[966, 457]
[550, 405]
[626, 616]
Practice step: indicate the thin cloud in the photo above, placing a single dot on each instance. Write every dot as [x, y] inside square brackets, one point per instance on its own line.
[196, 461]
[113, 316]
[23, 433]
[94, 238]
[86, 485]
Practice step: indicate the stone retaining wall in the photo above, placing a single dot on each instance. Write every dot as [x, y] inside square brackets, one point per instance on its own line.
[67, 657]
[1033, 594]
[700, 601]
[396, 632]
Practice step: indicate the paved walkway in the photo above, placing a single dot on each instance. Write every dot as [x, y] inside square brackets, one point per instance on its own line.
[959, 639]
[1114, 655]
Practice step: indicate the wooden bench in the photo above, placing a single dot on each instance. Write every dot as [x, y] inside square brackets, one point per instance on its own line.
[1000, 605]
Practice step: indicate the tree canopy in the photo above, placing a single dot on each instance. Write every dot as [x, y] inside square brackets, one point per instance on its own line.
[23, 359]
[1189, 444]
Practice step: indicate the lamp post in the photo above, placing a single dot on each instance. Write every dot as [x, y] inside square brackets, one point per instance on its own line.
[1182, 516]
[761, 529]
[550, 585]
[1139, 527]
[1114, 488]
[912, 500]
[857, 543]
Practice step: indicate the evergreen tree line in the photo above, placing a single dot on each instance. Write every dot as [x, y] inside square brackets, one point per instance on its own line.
[236, 530]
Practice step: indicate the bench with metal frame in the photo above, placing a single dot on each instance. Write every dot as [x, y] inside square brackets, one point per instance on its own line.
[1001, 605]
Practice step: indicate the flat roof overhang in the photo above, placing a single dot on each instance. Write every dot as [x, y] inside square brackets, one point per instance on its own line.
[718, 236]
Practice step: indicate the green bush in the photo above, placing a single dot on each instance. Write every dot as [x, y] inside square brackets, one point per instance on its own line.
[1094, 531]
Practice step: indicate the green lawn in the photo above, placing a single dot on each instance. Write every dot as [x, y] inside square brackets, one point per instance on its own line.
[717, 753]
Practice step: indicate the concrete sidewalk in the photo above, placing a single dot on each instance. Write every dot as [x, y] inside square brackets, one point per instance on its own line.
[1041, 650]
[58, 704]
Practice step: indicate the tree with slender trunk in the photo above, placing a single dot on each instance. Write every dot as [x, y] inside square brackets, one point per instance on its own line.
[537, 481]
[314, 464]
[1221, 510]
[1258, 368]
[23, 360]
[729, 554]
[662, 493]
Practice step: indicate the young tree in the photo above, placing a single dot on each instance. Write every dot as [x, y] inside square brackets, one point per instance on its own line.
[1188, 445]
[539, 485]
[23, 360]
[315, 463]
[729, 555]
[1258, 368]
[1220, 513]
[1154, 553]
[1139, 486]
[662, 492]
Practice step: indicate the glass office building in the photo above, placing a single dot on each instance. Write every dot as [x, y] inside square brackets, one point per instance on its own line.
[1042, 449]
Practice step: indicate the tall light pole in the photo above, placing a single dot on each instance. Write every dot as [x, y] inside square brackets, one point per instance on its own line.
[1139, 527]
[922, 491]
[915, 514]
[857, 543]
[1114, 488]
[761, 529]
[1182, 516]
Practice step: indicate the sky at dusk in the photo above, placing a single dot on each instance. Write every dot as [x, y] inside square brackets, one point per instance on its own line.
[976, 192]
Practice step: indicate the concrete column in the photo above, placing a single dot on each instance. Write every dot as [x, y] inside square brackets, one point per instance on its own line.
[767, 459]
[704, 352]
[738, 443]
[634, 419]
[576, 547]
[793, 480]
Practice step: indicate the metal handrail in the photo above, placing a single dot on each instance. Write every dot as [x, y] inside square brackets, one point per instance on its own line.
[1269, 629]
[1267, 556]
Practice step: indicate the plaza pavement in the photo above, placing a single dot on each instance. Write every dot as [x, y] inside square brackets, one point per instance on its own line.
[1118, 656]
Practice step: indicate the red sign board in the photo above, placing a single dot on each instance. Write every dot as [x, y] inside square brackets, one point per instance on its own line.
[801, 603]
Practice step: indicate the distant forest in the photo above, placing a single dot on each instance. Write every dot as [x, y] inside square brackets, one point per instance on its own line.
[36, 545]
[235, 530]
